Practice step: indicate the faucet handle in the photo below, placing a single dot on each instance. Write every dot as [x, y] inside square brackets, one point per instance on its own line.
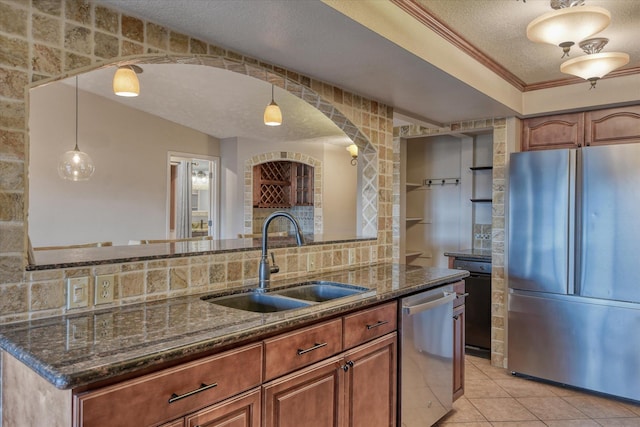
[274, 268]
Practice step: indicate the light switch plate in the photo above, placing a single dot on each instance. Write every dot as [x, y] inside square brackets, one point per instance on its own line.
[77, 292]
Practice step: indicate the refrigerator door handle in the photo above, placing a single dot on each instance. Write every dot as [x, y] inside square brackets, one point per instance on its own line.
[573, 239]
[415, 309]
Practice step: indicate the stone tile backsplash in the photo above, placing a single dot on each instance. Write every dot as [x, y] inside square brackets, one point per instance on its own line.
[482, 236]
[53, 39]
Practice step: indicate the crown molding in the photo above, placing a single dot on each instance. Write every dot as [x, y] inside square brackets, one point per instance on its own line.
[420, 13]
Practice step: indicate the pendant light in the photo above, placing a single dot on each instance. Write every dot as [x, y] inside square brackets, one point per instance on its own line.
[125, 81]
[568, 24]
[594, 65]
[75, 165]
[272, 114]
[353, 150]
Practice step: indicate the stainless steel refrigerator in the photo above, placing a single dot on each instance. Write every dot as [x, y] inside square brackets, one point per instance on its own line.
[574, 267]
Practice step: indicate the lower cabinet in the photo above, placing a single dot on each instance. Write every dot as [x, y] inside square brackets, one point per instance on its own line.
[458, 342]
[356, 388]
[239, 411]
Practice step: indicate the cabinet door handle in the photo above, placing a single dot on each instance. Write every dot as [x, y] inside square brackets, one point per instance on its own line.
[466, 294]
[348, 365]
[378, 323]
[203, 387]
[315, 347]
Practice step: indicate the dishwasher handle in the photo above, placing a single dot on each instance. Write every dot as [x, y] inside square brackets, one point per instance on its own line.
[415, 309]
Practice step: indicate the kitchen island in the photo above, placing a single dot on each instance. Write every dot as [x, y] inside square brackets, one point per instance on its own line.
[78, 353]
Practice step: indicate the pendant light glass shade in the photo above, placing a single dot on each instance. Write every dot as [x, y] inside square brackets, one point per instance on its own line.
[75, 165]
[568, 25]
[272, 114]
[594, 66]
[125, 82]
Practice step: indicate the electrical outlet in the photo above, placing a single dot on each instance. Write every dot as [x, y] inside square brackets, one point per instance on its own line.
[102, 327]
[104, 286]
[352, 256]
[311, 262]
[77, 292]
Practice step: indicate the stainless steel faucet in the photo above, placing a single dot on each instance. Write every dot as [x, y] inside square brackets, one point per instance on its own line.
[264, 273]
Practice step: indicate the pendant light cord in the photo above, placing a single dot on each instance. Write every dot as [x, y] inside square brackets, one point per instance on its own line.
[272, 94]
[76, 149]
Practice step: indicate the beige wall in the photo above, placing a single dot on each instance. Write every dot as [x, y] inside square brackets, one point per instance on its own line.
[126, 198]
[42, 40]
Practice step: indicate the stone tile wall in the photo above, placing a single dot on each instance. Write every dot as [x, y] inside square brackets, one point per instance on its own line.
[45, 40]
[498, 283]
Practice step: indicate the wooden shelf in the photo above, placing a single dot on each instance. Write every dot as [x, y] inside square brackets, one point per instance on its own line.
[481, 200]
[414, 219]
[413, 184]
[412, 254]
[481, 168]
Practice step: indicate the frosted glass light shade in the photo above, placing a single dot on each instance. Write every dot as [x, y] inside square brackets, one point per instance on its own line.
[272, 115]
[125, 82]
[75, 165]
[570, 24]
[353, 150]
[594, 66]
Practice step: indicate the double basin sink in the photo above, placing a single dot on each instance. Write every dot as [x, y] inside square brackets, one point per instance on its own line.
[297, 296]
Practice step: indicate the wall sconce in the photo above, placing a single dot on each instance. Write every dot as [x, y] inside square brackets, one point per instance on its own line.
[353, 150]
[272, 114]
[75, 165]
[125, 81]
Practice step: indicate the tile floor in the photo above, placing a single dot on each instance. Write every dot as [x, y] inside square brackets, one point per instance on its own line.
[493, 397]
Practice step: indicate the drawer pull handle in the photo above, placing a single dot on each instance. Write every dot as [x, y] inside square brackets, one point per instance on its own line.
[466, 294]
[203, 387]
[315, 347]
[378, 323]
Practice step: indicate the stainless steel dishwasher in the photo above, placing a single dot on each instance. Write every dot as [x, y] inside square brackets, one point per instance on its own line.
[426, 347]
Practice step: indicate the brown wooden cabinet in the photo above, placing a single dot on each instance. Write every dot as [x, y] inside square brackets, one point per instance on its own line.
[370, 385]
[559, 131]
[356, 388]
[613, 126]
[173, 392]
[598, 127]
[282, 184]
[240, 411]
[458, 341]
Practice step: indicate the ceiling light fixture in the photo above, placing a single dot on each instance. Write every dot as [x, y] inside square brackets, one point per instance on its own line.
[568, 24]
[75, 165]
[125, 81]
[594, 65]
[272, 114]
[353, 150]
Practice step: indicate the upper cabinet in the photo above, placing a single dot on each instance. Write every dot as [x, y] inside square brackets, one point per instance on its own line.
[560, 131]
[612, 126]
[600, 127]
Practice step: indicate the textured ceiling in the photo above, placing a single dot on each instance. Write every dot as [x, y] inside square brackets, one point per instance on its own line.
[314, 39]
[498, 28]
[217, 102]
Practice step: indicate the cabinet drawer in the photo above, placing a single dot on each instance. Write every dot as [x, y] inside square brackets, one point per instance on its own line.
[458, 288]
[368, 324]
[173, 392]
[291, 351]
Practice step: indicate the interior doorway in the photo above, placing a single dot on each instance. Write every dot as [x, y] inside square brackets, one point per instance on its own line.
[193, 207]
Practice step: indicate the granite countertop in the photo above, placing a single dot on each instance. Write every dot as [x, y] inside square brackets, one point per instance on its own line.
[80, 257]
[473, 254]
[78, 349]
